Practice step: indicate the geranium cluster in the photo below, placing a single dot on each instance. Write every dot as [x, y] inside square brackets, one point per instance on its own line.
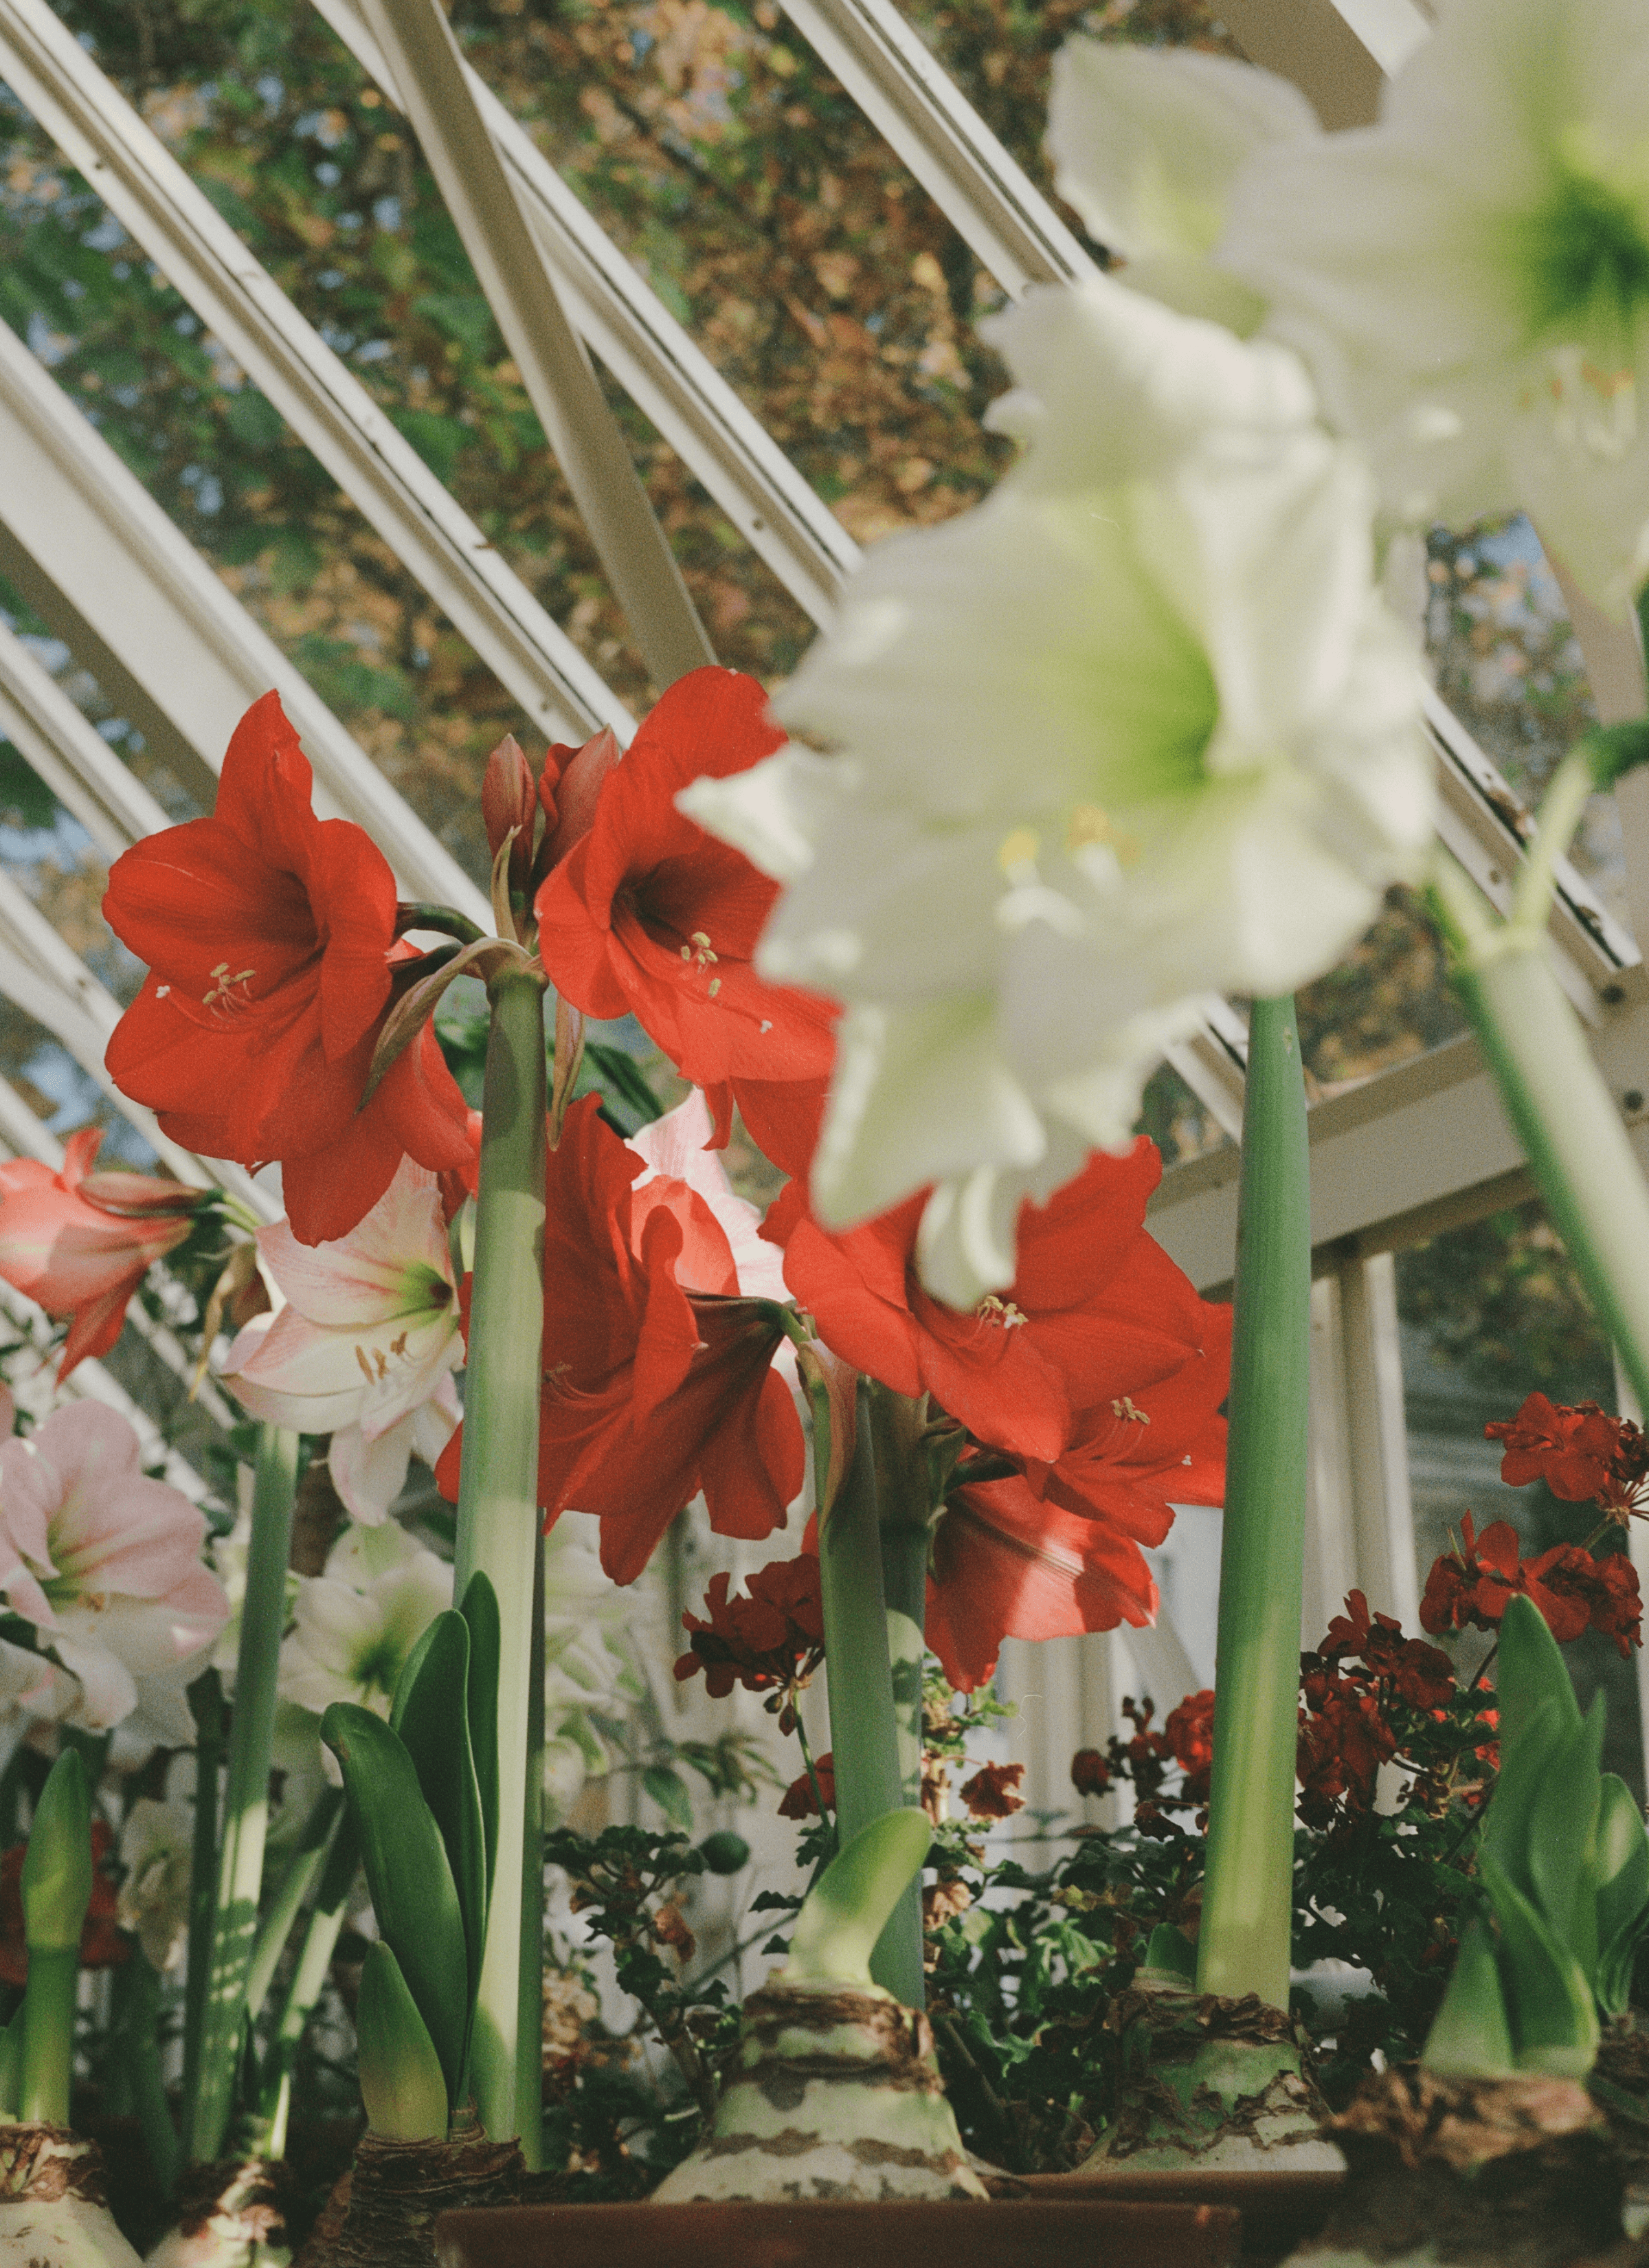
[1468, 1588]
[771, 1642]
[1148, 1759]
[1583, 1453]
[1370, 1696]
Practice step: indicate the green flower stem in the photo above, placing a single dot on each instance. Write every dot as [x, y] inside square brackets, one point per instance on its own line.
[903, 1490]
[48, 2037]
[1562, 807]
[863, 1727]
[211, 1725]
[1247, 1895]
[245, 1794]
[1564, 1117]
[497, 1503]
[284, 1907]
[529, 2044]
[135, 2054]
[326, 1919]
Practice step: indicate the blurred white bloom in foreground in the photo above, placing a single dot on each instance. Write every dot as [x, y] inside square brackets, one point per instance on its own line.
[1137, 729]
[365, 1345]
[156, 1843]
[1470, 276]
[1147, 141]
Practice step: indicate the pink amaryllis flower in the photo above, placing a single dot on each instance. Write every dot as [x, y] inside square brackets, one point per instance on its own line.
[366, 1346]
[105, 1561]
[79, 1243]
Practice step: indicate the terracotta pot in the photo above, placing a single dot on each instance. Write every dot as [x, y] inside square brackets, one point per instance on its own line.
[1031, 2232]
[1278, 2210]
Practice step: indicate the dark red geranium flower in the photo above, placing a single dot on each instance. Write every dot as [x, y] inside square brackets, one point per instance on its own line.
[798, 1801]
[1571, 1450]
[269, 935]
[773, 1638]
[1344, 1741]
[1574, 1591]
[993, 1793]
[1189, 1732]
[1097, 1315]
[657, 1374]
[102, 1945]
[1418, 1673]
[646, 915]
[1090, 1774]
[1006, 1566]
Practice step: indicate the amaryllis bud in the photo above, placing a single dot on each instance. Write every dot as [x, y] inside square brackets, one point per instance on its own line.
[56, 1883]
[509, 799]
[570, 784]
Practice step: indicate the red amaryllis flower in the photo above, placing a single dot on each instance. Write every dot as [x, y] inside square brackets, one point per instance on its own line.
[773, 1638]
[657, 1374]
[1096, 1315]
[269, 935]
[993, 1793]
[1006, 1566]
[648, 916]
[78, 1243]
[798, 1800]
[102, 1945]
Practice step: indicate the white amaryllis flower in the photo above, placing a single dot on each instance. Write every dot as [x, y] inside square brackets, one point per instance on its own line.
[1470, 276]
[1146, 143]
[354, 1625]
[1137, 729]
[156, 1847]
[105, 1563]
[587, 1670]
[365, 1345]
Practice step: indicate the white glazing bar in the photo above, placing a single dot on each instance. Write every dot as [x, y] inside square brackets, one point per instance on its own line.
[669, 378]
[1330, 1561]
[106, 567]
[332, 413]
[985, 195]
[594, 460]
[1376, 1437]
[69, 756]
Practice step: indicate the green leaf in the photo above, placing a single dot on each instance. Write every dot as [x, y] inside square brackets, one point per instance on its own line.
[843, 1914]
[623, 1077]
[668, 1790]
[1472, 2031]
[57, 1881]
[11, 2067]
[1623, 1893]
[479, 1609]
[407, 1873]
[1562, 1839]
[253, 418]
[1524, 1764]
[1171, 1953]
[430, 1714]
[1554, 2022]
[1530, 1670]
[401, 2085]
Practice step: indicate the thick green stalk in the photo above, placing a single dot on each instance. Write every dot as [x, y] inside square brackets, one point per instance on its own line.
[863, 1727]
[326, 1919]
[902, 1509]
[529, 2046]
[1247, 1895]
[497, 1503]
[1566, 1120]
[48, 2037]
[206, 1706]
[246, 1794]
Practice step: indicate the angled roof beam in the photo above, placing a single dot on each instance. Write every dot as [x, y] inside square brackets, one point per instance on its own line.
[667, 376]
[101, 561]
[326, 407]
[69, 756]
[423, 55]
